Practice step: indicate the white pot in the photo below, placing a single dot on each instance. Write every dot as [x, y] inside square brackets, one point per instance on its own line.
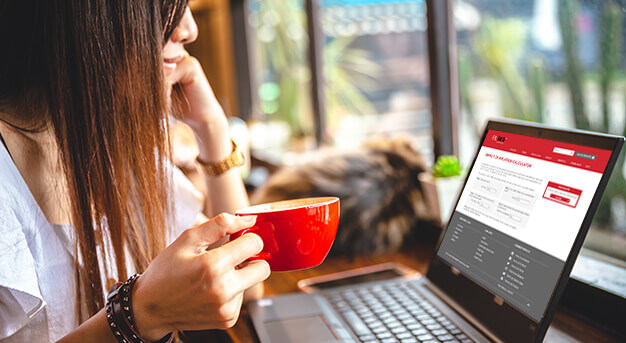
[441, 194]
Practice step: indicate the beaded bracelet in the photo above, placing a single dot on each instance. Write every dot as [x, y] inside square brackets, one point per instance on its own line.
[119, 314]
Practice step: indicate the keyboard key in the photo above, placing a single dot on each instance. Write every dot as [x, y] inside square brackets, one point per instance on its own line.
[461, 336]
[366, 314]
[390, 319]
[403, 315]
[374, 324]
[409, 340]
[445, 337]
[451, 341]
[404, 335]
[419, 332]
[355, 322]
[408, 321]
[432, 327]
[394, 324]
[440, 317]
[380, 329]
[423, 317]
[424, 337]
[341, 304]
[366, 338]
[371, 319]
[399, 329]
[439, 332]
[414, 326]
[384, 335]
[429, 322]
[389, 340]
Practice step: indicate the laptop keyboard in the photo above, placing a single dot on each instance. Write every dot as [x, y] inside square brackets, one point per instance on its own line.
[394, 312]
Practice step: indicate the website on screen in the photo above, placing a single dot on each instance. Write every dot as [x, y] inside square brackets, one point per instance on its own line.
[519, 214]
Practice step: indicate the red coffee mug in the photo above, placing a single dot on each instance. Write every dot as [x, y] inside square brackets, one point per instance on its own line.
[297, 234]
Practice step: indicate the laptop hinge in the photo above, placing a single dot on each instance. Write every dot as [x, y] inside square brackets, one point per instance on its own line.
[464, 314]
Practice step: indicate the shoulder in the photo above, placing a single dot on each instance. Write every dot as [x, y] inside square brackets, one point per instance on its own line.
[15, 197]
[19, 212]
[20, 297]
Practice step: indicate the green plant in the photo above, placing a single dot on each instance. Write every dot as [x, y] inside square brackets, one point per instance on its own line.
[282, 57]
[537, 77]
[567, 9]
[499, 44]
[610, 48]
[466, 74]
[349, 73]
[446, 166]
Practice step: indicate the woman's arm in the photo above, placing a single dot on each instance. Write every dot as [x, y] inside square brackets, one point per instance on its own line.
[188, 287]
[95, 329]
[226, 192]
[205, 116]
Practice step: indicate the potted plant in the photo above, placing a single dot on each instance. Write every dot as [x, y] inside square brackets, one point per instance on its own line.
[442, 185]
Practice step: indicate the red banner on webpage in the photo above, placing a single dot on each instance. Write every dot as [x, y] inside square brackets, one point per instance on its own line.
[573, 155]
[562, 194]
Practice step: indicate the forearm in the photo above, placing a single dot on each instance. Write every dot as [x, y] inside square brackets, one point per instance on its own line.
[226, 192]
[95, 329]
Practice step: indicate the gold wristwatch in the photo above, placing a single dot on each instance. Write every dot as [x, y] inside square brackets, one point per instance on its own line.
[235, 159]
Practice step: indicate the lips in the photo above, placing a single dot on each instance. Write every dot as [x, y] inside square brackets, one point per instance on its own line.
[173, 60]
[169, 63]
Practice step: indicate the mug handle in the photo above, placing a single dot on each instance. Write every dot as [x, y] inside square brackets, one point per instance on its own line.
[263, 255]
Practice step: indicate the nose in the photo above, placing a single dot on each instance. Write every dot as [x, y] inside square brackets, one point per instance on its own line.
[187, 30]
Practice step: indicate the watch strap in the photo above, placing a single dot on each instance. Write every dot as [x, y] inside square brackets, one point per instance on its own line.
[235, 159]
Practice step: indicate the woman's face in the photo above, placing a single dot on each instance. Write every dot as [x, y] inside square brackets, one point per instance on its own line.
[174, 50]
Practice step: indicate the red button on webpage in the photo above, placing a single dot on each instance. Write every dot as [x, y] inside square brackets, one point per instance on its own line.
[559, 198]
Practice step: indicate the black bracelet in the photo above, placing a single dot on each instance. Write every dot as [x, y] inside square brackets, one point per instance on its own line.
[119, 314]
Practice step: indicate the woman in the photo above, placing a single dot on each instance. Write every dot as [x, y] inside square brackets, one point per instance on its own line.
[87, 193]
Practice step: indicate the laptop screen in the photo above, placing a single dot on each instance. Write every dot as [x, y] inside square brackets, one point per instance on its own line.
[519, 214]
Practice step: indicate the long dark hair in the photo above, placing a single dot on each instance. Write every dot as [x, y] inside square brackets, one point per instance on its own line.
[91, 70]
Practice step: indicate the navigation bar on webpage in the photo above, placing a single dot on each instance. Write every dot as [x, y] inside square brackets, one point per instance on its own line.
[578, 156]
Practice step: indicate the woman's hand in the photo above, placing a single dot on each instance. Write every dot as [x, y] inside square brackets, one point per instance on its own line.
[189, 288]
[192, 91]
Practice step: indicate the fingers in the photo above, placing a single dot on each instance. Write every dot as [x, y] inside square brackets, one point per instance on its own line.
[239, 250]
[185, 70]
[253, 273]
[220, 226]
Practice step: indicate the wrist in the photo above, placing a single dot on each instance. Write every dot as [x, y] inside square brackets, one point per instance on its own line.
[150, 326]
[213, 139]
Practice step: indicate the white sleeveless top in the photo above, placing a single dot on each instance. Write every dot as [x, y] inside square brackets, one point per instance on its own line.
[37, 278]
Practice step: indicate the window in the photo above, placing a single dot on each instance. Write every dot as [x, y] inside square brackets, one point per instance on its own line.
[560, 62]
[375, 60]
[374, 73]
[282, 117]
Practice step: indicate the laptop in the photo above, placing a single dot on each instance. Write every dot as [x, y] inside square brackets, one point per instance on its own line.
[502, 261]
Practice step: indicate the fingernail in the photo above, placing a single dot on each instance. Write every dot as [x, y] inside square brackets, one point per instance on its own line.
[249, 219]
[259, 240]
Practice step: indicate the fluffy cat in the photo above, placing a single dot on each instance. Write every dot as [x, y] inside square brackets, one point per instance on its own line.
[382, 201]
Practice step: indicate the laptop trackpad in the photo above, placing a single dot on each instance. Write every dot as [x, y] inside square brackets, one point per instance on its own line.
[301, 330]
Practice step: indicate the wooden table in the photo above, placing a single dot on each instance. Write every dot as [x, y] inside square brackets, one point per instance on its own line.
[566, 327]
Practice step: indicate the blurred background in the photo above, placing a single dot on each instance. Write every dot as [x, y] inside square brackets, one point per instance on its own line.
[302, 75]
